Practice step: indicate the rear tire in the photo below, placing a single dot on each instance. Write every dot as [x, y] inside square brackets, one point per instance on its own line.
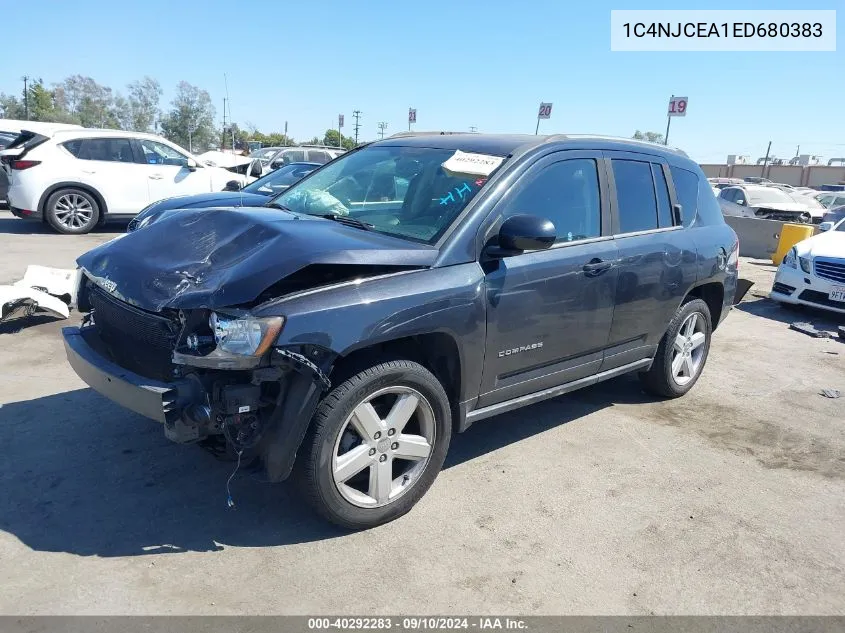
[72, 211]
[682, 352]
[376, 444]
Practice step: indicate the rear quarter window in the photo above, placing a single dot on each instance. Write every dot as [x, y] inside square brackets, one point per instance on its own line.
[73, 147]
[687, 192]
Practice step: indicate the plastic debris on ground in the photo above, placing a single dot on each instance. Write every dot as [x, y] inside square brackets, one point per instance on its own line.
[50, 290]
[807, 328]
[831, 393]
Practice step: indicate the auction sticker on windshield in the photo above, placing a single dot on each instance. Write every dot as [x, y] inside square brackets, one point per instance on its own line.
[472, 164]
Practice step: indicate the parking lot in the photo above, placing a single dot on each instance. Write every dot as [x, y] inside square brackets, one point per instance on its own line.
[730, 500]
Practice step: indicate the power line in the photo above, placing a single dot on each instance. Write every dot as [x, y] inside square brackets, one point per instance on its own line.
[356, 114]
[382, 125]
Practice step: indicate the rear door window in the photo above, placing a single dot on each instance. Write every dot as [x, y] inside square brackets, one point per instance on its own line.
[664, 206]
[116, 150]
[318, 156]
[636, 202]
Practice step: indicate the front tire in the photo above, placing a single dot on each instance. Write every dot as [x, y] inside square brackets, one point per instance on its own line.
[377, 442]
[682, 352]
[72, 211]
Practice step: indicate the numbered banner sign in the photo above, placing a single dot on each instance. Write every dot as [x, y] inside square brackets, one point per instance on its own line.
[678, 106]
[412, 115]
[340, 120]
[545, 111]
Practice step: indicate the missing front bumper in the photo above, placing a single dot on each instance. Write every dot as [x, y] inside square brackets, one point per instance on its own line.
[159, 401]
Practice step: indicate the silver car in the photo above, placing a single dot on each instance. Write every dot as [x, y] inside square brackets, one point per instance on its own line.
[274, 157]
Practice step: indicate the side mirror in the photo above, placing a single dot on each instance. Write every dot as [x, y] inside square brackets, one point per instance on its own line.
[523, 233]
[740, 201]
[276, 164]
[232, 185]
[256, 170]
[192, 165]
[825, 226]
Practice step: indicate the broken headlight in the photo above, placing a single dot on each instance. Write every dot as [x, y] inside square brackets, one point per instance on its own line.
[246, 336]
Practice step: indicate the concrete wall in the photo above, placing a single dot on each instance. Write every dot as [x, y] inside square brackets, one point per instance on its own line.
[757, 238]
[794, 175]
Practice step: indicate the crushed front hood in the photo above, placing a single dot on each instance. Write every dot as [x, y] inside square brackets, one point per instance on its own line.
[213, 258]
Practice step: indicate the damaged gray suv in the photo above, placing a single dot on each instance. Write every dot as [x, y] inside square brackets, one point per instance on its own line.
[346, 329]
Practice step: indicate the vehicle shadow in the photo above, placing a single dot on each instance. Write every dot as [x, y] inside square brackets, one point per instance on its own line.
[11, 225]
[786, 313]
[17, 324]
[82, 475]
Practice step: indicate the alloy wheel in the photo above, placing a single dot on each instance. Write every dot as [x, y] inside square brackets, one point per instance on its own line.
[73, 211]
[688, 349]
[383, 447]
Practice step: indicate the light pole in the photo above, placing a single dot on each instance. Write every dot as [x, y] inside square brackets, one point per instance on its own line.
[25, 79]
[381, 128]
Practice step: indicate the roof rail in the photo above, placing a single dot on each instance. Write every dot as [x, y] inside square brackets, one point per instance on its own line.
[604, 137]
[434, 133]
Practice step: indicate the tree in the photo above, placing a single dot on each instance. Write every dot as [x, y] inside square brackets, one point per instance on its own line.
[91, 104]
[190, 122]
[11, 107]
[142, 104]
[330, 139]
[652, 137]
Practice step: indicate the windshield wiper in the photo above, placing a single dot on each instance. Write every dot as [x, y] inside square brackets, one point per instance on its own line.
[276, 205]
[348, 221]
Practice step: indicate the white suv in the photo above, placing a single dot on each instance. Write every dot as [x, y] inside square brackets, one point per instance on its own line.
[76, 179]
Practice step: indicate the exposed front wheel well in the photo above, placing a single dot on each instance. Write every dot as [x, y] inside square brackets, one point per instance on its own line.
[713, 294]
[436, 351]
[42, 205]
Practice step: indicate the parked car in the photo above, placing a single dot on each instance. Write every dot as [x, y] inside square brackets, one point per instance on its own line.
[350, 330]
[833, 215]
[79, 178]
[721, 183]
[734, 209]
[10, 129]
[769, 203]
[756, 180]
[829, 199]
[275, 157]
[253, 195]
[813, 271]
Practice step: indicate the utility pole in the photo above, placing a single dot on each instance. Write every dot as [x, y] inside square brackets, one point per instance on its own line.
[668, 121]
[25, 97]
[766, 160]
[223, 138]
[381, 127]
[286, 133]
[473, 129]
[356, 114]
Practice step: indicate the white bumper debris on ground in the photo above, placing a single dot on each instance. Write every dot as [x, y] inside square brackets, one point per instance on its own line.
[52, 290]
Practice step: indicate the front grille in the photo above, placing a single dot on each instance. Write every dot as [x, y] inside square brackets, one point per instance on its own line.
[783, 289]
[814, 296]
[139, 340]
[833, 269]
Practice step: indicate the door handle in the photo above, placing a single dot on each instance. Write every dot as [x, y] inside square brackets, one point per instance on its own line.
[596, 267]
[89, 171]
[156, 176]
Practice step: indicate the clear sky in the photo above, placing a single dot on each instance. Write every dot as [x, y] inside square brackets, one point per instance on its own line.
[460, 63]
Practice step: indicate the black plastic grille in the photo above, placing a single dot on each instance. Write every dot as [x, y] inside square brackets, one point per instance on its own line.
[830, 269]
[139, 340]
[783, 289]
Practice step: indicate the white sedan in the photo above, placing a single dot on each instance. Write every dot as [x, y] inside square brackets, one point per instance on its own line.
[813, 271]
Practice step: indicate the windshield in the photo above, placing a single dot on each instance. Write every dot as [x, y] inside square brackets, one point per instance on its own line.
[277, 181]
[402, 191]
[768, 196]
[265, 153]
